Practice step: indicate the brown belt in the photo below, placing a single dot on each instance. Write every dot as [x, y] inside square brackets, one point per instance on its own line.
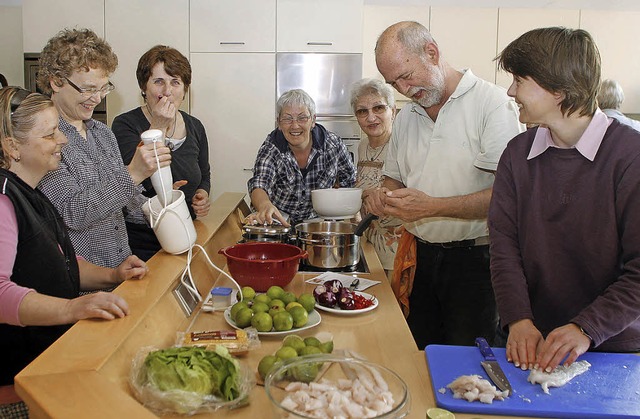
[480, 241]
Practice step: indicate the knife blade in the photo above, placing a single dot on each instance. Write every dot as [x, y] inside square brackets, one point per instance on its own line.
[491, 366]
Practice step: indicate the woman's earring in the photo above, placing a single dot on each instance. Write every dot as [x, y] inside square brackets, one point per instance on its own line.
[16, 159]
[143, 94]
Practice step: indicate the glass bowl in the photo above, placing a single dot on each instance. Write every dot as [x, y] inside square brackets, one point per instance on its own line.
[331, 385]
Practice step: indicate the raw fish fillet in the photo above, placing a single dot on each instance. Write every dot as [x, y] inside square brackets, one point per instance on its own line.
[559, 376]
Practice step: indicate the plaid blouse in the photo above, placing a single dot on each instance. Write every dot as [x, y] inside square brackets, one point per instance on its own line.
[90, 190]
[278, 174]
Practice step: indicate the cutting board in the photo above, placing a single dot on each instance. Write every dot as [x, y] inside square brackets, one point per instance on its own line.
[610, 389]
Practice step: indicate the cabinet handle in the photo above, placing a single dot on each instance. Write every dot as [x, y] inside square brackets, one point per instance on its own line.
[248, 170]
[320, 43]
[231, 43]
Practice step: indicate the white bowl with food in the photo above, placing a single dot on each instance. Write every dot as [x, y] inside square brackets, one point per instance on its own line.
[350, 387]
[336, 203]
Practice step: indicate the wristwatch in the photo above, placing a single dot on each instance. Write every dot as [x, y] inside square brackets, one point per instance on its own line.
[583, 332]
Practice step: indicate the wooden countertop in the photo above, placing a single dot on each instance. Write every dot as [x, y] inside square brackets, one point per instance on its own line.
[86, 372]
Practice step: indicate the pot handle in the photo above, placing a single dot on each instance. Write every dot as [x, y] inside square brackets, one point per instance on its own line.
[312, 241]
[221, 251]
[304, 255]
[364, 224]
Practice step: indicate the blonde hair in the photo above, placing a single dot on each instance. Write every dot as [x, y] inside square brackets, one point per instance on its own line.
[19, 123]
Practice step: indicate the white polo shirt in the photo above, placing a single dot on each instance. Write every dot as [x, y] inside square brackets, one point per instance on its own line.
[446, 157]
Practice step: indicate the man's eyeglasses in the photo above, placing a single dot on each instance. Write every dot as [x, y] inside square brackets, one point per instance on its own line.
[378, 109]
[300, 120]
[105, 90]
[17, 98]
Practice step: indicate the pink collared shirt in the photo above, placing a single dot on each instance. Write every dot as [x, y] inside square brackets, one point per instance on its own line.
[587, 145]
[11, 294]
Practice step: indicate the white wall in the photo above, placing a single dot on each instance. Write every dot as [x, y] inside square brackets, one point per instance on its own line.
[11, 58]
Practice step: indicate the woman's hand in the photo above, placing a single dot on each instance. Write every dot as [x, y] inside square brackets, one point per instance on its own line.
[143, 164]
[132, 268]
[200, 203]
[99, 305]
[523, 343]
[266, 216]
[163, 114]
[565, 341]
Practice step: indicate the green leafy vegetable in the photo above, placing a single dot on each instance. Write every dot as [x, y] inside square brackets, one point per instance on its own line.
[194, 369]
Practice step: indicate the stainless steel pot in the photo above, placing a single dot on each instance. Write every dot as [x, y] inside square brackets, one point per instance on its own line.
[330, 244]
[266, 233]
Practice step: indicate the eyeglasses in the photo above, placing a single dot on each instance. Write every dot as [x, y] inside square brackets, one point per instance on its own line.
[378, 109]
[300, 120]
[105, 90]
[17, 98]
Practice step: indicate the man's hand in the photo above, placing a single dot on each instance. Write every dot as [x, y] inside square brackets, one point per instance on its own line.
[565, 341]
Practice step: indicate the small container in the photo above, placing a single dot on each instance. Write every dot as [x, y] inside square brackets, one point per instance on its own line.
[221, 297]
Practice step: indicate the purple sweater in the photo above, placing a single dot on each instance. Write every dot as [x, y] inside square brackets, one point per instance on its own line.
[565, 238]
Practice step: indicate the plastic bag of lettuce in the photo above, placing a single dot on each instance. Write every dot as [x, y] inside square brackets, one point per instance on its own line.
[189, 380]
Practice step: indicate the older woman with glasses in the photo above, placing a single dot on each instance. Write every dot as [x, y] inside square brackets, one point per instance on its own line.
[297, 157]
[40, 275]
[164, 76]
[92, 187]
[374, 106]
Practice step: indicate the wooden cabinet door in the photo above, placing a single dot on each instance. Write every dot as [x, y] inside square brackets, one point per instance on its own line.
[319, 26]
[233, 26]
[234, 97]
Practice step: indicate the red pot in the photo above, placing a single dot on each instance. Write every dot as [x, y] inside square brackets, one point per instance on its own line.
[261, 265]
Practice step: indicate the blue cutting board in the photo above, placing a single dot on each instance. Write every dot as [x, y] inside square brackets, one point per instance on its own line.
[610, 389]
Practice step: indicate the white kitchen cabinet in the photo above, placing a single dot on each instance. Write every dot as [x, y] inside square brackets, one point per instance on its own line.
[319, 26]
[233, 26]
[234, 97]
[131, 28]
[616, 34]
[515, 22]
[42, 19]
[457, 32]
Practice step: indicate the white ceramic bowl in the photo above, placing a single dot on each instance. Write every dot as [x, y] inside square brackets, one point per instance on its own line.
[337, 369]
[337, 203]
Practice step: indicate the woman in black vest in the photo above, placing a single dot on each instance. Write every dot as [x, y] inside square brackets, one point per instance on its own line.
[40, 276]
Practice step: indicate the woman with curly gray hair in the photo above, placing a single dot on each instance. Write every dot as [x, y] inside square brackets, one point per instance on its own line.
[92, 186]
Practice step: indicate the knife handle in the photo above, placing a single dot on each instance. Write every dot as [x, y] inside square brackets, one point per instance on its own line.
[485, 349]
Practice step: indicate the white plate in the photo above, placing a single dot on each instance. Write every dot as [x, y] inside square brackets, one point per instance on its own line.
[314, 320]
[338, 310]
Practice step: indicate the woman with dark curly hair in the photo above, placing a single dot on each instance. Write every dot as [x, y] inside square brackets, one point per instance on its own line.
[92, 187]
[164, 76]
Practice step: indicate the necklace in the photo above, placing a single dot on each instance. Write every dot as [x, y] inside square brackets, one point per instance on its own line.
[374, 150]
[175, 120]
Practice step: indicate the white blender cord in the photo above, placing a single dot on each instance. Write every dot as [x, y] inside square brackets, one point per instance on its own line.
[186, 278]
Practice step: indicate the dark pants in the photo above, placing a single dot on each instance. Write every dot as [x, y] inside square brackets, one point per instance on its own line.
[142, 240]
[452, 300]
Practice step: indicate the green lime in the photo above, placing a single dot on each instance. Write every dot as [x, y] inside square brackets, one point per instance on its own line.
[248, 293]
[437, 413]
[259, 307]
[312, 341]
[282, 321]
[262, 298]
[309, 350]
[288, 297]
[294, 341]
[326, 347]
[235, 308]
[244, 317]
[286, 352]
[300, 316]
[292, 304]
[305, 372]
[277, 303]
[307, 301]
[266, 364]
[275, 292]
[262, 322]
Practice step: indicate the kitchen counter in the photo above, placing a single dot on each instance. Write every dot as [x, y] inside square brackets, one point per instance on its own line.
[86, 372]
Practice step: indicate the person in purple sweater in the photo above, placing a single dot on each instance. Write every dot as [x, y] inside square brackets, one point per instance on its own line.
[564, 219]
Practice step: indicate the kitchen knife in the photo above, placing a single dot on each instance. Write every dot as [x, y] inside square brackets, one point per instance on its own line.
[491, 366]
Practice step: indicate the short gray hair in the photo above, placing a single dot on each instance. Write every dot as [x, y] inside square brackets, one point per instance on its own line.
[296, 97]
[610, 95]
[371, 87]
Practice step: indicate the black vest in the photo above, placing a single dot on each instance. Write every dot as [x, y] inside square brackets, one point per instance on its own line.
[40, 264]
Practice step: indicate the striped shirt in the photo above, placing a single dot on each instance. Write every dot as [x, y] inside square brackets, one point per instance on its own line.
[90, 190]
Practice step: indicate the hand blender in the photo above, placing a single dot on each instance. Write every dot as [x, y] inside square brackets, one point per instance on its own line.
[162, 180]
